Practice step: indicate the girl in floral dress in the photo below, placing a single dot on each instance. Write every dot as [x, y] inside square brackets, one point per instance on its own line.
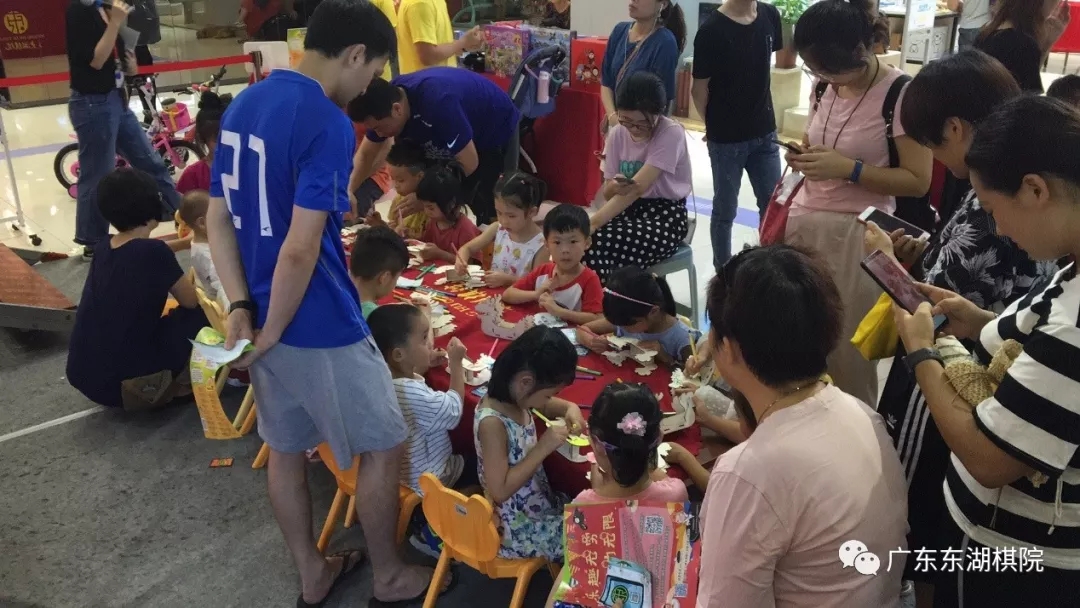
[526, 376]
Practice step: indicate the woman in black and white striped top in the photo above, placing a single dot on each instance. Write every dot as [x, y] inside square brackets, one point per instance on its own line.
[1013, 485]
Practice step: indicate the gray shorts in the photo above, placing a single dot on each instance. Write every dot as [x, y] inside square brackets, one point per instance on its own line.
[343, 396]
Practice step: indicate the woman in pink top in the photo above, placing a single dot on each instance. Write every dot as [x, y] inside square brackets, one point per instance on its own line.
[846, 161]
[811, 510]
[647, 179]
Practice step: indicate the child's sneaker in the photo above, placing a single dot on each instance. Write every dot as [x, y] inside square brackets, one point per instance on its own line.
[427, 542]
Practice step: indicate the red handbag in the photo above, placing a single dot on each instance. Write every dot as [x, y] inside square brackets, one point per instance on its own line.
[774, 224]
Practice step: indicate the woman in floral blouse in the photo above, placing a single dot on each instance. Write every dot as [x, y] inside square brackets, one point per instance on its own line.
[941, 109]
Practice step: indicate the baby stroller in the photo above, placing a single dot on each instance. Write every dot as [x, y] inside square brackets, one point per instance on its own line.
[544, 65]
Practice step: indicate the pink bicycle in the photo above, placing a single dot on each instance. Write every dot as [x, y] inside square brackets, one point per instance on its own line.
[175, 152]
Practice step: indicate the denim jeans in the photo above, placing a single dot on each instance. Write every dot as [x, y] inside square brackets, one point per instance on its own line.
[105, 126]
[761, 159]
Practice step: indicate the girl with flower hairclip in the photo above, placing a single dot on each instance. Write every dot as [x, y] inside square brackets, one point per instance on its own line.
[638, 304]
[624, 428]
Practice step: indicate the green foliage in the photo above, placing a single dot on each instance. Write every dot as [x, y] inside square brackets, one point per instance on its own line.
[791, 10]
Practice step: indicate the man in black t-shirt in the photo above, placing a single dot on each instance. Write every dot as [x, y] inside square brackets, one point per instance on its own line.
[732, 53]
[104, 124]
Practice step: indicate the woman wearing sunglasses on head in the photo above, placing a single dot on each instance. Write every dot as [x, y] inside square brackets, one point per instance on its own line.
[1013, 482]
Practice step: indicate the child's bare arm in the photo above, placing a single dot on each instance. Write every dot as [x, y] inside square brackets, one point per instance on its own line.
[470, 249]
[574, 316]
[542, 257]
[501, 479]
[513, 295]
[455, 353]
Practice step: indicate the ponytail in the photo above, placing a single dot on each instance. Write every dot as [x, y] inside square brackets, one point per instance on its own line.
[672, 17]
[625, 419]
[522, 190]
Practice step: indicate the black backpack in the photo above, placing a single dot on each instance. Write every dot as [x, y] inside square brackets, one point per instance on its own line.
[914, 210]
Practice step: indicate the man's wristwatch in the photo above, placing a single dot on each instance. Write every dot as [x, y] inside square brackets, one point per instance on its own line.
[912, 360]
[247, 305]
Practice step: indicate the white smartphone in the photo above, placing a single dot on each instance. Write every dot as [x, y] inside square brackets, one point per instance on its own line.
[896, 282]
[890, 223]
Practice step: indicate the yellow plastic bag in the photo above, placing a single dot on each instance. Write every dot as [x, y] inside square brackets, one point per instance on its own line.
[876, 336]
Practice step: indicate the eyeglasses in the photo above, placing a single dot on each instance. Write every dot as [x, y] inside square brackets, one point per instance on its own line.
[638, 125]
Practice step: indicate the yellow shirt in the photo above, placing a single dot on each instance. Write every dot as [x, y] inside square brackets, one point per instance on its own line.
[422, 21]
[413, 225]
[387, 8]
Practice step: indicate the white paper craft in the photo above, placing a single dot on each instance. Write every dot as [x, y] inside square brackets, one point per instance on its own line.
[645, 370]
[442, 269]
[550, 320]
[661, 456]
[473, 274]
[682, 418]
[445, 329]
[439, 282]
[476, 373]
[440, 321]
[485, 361]
[616, 357]
[645, 356]
[404, 283]
[490, 312]
[622, 343]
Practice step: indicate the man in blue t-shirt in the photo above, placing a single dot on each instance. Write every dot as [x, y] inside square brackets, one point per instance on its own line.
[454, 114]
[279, 190]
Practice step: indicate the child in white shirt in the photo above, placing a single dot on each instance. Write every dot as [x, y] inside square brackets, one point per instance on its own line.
[401, 331]
[193, 208]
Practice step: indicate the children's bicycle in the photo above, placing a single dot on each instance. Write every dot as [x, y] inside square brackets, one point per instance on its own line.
[176, 152]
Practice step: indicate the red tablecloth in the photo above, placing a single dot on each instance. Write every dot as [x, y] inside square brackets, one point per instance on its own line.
[565, 476]
[565, 145]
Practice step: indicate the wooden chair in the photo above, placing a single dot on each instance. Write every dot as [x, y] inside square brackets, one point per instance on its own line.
[466, 526]
[245, 416]
[346, 483]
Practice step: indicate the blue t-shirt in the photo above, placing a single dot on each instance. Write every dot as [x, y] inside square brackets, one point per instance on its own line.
[451, 107]
[660, 55]
[675, 340]
[284, 143]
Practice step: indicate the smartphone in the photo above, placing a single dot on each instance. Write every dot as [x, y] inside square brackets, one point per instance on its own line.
[891, 223]
[622, 179]
[891, 276]
[794, 148]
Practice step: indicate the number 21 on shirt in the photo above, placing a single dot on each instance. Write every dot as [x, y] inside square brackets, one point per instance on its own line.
[231, 181]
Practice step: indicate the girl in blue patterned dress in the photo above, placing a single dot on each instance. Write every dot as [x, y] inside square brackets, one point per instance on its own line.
[526, 376]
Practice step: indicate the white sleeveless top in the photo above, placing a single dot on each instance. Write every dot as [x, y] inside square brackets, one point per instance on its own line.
[512, 257]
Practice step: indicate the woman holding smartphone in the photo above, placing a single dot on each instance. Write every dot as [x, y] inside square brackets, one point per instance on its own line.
[845, 161]
[647, 179]
[942, 107]
[1013, 481]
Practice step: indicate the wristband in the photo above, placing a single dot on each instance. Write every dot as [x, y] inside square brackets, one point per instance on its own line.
[247, 305]
[912, 360]
[856, 172]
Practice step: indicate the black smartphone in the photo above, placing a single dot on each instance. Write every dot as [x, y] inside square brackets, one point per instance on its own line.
[891, 276]
[623, 180]
[794, 148]
[891, 223]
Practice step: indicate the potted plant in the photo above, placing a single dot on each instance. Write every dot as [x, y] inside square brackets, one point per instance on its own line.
[790, 11]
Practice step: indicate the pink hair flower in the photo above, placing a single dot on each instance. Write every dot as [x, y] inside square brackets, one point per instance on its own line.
[632, 424]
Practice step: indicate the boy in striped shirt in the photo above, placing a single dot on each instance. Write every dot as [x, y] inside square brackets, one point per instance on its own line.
[402, 333]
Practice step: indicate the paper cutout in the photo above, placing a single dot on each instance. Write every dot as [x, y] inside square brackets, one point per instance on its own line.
[474, 273]
[404, 283]
[645, 370]
[572, 452]
[442, 269]
[490, 312]
[645, 356]
[440, 321]
[616, 358]
[662, 452]
[445, 329]
[550, 320]
[682, 418]
[476, 373]
[622, 343]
